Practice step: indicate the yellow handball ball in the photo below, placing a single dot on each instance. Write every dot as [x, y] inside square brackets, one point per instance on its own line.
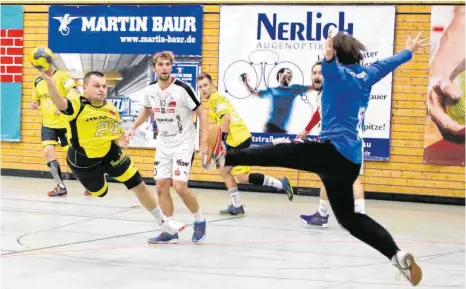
[456, 109]
[41, 58]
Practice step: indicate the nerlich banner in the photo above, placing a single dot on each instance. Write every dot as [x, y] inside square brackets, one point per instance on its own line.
[445, 126]
[266, 61]
[133, 29]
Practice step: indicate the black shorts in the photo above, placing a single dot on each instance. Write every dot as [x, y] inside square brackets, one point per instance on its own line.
[91, 172]
[53, 136]
[244, 145]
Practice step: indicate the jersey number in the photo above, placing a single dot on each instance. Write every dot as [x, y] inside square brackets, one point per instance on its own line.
[103, 126]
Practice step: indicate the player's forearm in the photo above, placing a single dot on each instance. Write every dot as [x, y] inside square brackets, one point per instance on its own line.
[142, 117]
[225, 125]
[203, 124]
[58, 100]
[450, 51]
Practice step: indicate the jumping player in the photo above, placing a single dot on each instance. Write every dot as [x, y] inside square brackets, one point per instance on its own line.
[96, 138]
[53, 129]
[175, 104]
[337, 157]
[320, 217]
[236, 135]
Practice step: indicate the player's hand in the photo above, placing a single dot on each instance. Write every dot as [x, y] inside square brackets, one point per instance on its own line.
[441, 91]
[414, 44]
[35, 105]
[47, 75]
[244, 78]
[302, 135]
[328, 47]
[131, 133]
[123, 141]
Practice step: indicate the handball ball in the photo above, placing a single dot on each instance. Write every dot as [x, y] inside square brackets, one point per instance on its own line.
[456, 109]
[41, 58]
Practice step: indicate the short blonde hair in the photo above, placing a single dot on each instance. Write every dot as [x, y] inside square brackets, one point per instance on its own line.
[167, 55]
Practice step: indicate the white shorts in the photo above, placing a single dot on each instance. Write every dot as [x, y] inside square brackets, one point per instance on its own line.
[173, 163]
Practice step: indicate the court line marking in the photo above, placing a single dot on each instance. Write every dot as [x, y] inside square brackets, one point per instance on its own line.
[100, 239]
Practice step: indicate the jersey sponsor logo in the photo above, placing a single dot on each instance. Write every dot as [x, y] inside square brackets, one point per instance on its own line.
[172, 103]
[96, 118]
[119, 160]
[177, 172]
[180, 124]
[171, 110]
[157, 109]
[164, 120]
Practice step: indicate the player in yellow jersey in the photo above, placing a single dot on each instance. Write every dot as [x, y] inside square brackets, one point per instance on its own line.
[53, 127]
[96, 137]
[236, 135]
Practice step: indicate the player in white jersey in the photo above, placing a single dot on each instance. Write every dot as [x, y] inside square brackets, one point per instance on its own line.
[174, 104]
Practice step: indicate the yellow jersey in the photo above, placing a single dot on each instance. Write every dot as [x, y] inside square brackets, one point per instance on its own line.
[41, 92]
[218, 107]
[91, 129]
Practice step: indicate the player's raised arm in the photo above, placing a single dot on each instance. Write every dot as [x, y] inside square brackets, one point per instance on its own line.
[58, 100]
[381, 68]
[330, 67]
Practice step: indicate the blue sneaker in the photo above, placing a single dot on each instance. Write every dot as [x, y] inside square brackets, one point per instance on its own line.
[164, 238]
[233, 211]
[199, 231]
[315, 220]
[287, 188]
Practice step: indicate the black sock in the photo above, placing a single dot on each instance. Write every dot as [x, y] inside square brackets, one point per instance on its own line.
[56, 172]
[256, 179]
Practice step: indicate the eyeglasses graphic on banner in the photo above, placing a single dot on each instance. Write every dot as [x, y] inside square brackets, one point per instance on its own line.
[264, 68]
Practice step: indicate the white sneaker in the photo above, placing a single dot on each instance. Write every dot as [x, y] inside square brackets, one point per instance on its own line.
[172, 227]
[404, 261]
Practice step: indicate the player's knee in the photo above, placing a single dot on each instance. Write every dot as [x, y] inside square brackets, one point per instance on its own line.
[49, 152]
[162, 188]
[134, 181]
[100, 193]
[180, 187]
[242, 178]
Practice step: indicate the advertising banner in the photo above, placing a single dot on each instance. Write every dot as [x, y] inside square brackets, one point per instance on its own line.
[445, 126]
[126, 29]
[269, 40]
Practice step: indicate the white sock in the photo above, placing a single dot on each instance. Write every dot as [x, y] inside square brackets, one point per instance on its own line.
[272, 182]
[158, 215]
[198, 217]
[323, 208]
[398, 259]
[359, 206]
[234, 196]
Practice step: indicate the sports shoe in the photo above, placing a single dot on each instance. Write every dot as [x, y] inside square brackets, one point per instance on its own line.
[315, 220]
[233, 211]
[404, 261]
[164, 238]
[199, 231]
[57, 191]
[287, 188]
[172, 227]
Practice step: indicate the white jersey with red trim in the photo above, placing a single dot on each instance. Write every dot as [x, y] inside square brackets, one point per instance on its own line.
[173, 109]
